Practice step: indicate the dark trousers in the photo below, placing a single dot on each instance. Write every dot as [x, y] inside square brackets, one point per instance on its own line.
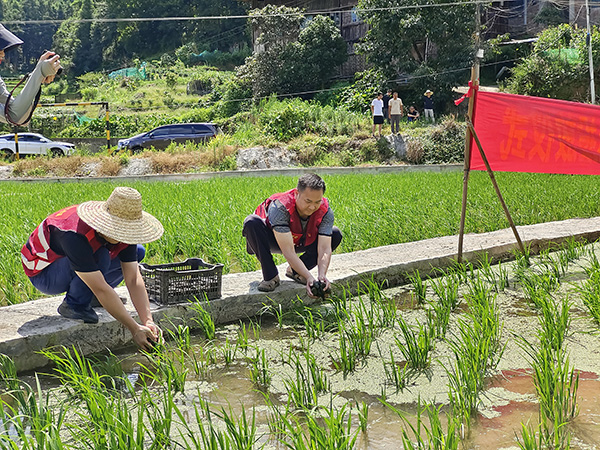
[59, 277]
[260, 241]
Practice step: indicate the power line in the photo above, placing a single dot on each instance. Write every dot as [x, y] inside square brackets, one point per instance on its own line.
[240, 16]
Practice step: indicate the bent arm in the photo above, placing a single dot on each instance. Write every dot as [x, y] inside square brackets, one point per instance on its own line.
[109, 299]
[20, 106]
[286, 244]
[324, 256]
[137, 291]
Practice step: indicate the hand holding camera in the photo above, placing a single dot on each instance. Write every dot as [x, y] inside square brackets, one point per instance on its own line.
[50, 66]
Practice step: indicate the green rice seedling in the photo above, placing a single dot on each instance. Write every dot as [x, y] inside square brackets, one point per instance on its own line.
[396, 374]
[30, 422]
[259, 370]
[363, 416]
[8, 373]
[159, 413]
[173, 373]
[181, 335]
[242, 433]
[348, 358]
[488, 274]
[556, 386]
[574, 249]
[245, 332]
[383, 306]
[531, 439]
[477, 350]
[446, 288]
[76, 372]
[323, 429]
[554, 321]
[522, 258]
[229, 351]
[202, 358]
[590, 294]
[503, 279]
[419, 286]
[419, 436]
[205, 435]
[594, 263]
[203, 320]
[537, 286]
[438, 318]
[416, 347]
[308, 381]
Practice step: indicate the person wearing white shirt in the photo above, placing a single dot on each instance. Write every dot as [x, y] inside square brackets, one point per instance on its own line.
[377, 111]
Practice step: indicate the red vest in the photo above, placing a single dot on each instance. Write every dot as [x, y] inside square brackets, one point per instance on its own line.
[288, 199]
[36, 254]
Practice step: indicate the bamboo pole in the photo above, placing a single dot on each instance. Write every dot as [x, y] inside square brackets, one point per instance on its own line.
[494, 182]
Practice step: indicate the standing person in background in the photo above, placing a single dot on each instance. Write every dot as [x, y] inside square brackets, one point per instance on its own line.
[412, 114]
[386, 103]
[377, 111]
[18, 110]
[396, 110]
[428, 105]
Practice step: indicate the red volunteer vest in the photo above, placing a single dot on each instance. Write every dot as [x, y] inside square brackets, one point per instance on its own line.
[36, 254]
[288, 199]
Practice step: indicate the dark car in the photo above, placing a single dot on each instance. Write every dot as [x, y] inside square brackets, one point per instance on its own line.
[161, 137]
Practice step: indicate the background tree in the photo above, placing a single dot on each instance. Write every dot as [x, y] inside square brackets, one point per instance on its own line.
[558, 65]
[288, 59]
[431, 44]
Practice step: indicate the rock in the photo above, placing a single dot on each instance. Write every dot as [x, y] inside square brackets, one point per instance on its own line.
[265, 158]
[6, 171]
[89, 169]
[397, 143]
[137, 166]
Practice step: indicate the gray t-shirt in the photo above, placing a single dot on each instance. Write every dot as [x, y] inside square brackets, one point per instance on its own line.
[279, 218]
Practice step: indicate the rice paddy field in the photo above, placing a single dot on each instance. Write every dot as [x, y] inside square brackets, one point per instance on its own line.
[204, 218]
[482, 356]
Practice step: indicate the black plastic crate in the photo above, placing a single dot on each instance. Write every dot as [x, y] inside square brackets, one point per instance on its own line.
[182, 282]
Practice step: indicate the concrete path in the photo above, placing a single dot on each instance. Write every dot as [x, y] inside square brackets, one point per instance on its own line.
[28, 328]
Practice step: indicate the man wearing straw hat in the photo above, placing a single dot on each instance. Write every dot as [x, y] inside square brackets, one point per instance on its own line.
[428, 105]
[18, 110]
[86, 250]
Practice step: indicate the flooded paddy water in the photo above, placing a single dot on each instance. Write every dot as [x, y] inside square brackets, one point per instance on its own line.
[483, 350]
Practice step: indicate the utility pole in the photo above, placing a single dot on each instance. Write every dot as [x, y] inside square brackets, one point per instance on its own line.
[589, 44]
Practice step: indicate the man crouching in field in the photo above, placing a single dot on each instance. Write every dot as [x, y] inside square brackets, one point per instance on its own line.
[86, 250]
[296, 221]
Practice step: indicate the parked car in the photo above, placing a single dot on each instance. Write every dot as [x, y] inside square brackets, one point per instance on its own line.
[161, 137]
[33, 144]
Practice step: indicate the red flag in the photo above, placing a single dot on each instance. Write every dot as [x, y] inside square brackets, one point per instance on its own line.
[533, 134]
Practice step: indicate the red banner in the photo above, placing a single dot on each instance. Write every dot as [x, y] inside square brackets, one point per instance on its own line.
[532, 134]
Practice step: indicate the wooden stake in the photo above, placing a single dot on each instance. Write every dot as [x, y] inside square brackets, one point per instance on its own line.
[493, 178]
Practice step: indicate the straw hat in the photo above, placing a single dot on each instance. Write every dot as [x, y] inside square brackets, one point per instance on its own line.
[121, 217]
[428, 92]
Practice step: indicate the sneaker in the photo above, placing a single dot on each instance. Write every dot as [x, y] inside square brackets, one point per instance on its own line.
[88, 315]
[95, 303]
[268, 286]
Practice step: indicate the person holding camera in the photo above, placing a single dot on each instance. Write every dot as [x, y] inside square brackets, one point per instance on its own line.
[18, 110]
[297, 221]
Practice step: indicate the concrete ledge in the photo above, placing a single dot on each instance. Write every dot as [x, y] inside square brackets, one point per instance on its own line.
[30, 327]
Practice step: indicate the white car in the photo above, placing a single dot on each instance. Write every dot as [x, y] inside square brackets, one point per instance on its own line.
[33, 144]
